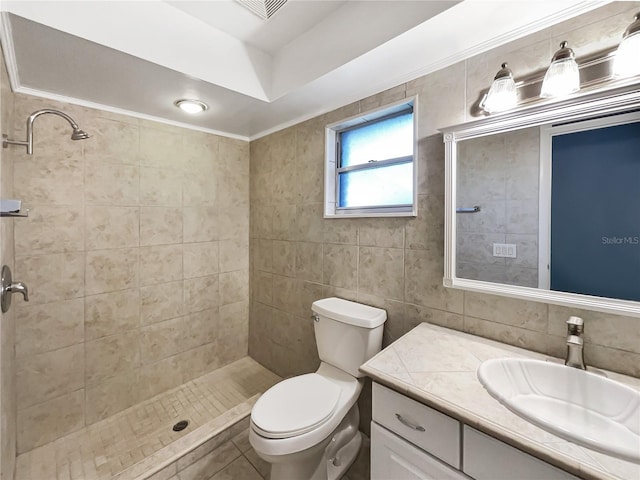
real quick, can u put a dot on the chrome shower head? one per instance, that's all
(77, 134)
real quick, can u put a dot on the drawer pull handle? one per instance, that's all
(409, 424)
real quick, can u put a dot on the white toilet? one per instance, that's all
(307, 426)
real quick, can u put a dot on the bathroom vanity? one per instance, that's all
(433, 419)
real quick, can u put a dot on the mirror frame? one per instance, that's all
(581, 106)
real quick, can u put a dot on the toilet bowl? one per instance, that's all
(306, 427)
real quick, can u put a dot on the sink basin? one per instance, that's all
(579, 406)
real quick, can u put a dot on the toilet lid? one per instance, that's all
(295, 406)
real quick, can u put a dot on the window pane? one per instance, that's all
(390, 185)
(390, 138)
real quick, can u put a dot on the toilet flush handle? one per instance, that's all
(315, 317)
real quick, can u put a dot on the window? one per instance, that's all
(370, 164)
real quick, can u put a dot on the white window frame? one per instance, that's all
(331, 210)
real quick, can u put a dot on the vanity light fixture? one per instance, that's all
(502, 93)
(191, 106)
(626, 62)
(562, 77)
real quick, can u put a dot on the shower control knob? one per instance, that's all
(9, 288)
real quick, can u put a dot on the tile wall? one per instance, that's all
(297, 256)
(7, 320)
(136, 256)
(500, 174)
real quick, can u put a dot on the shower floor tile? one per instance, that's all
(114, 446)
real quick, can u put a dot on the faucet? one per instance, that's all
(575, 343)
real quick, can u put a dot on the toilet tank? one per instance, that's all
(347, 333)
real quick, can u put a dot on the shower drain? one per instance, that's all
(181, 425)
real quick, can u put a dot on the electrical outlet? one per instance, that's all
(507, 250)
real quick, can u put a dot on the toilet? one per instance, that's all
(306, 427)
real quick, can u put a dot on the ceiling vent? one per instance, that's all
(265, 9)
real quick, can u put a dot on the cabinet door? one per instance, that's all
(394, 458)
(487, 458)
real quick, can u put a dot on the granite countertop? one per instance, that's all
(437, 367)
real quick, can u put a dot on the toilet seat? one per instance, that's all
(295, 406)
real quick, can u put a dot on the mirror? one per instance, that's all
(543, 203)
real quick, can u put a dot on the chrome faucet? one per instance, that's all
(575, 343)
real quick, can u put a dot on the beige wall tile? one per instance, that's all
(383, 232)
(161, 302)
(310, 223)
(112, 227)
(160, 376)
(42, 328)
(261, 221)
(309, 181)
(201, 293)
(160, 186)
(160, 225)
(510, 311)
(199, 190)
(309, 261)
(262, 254)
(45, 422)
(111, 313)
(343, 231)
(340, 266)
(42, 275)
(50, 181)
(161, 340)
(198, 361)
(109, 184)
(520, 337)
(111, 355)
(284, 258)
(111, 142)
(51, 230)
(234, 287)
(285, 292)
(381, 272)
(159, 147)
(263, 287)
(234, 223)
(111, 396)
(284, 222)
(234, 255)
(45, 376)
(111, 270)
(233, 332)
(200, 328)
(423, 281)
(160, 264)
(200, 224)
(200, 259)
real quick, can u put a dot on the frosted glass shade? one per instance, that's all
(562, 78)
(626, 63)
(502, 93)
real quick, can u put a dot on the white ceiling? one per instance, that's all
(257, 76)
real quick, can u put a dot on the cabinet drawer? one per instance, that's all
(486, 458)
(394, 458)
(425, 427)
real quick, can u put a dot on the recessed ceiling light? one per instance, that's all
(191, 106)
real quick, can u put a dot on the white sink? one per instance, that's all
(579, 406)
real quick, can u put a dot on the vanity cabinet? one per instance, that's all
(412, 441)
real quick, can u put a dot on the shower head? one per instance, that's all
(77, 134)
